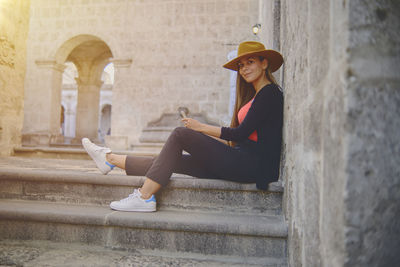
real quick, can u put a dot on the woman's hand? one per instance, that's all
(193, 124)
(201, 127)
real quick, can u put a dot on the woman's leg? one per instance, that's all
(137, 166)
(117, 160)
(149, 188)
(212, 159)
(208, 157)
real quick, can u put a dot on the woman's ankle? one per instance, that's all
(109, 158)
(144, 195)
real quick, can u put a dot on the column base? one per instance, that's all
(78, 141)
(41, 139)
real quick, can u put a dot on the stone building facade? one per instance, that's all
(166, 54)
(14, 19)
(341, 82)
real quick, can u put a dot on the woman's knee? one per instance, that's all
(180, 134)
(181, 131)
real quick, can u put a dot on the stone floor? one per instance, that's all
(46, 254)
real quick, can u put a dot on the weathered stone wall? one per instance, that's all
(14, 19)
(305, 40)
(269, 34)
(341, 131)
(177, 48)
(373, 130)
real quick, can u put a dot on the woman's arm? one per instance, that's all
(213, 131)
(266, 107)
(267, 103)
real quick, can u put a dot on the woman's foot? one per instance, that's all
(98, 154)
(135, 202)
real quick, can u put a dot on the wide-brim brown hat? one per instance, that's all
(250, 48)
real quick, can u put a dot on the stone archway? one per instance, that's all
(42, 113)
(90, 58)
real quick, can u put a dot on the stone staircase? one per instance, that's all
(78, 152)
(67, 201)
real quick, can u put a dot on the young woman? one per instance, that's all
(255, 136)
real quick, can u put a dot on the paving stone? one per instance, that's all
(46, 254)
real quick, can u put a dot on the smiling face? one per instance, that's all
(252, 69)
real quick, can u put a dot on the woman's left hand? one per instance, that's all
(192, 124)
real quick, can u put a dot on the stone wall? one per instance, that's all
(305, 40)
(341, 131)
(372, 193)
(14, 19)
(166, 54)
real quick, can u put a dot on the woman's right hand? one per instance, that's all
(192, 124)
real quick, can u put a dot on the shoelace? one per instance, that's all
(133, 195)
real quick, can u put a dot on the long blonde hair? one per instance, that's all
(244, 93)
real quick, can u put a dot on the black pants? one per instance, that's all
(208, 158)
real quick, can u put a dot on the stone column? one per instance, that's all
(87, 110)
(69, 122)
(42, 109)
(119, 137)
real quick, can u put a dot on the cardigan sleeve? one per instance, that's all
(264, 104)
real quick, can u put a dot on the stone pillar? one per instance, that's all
(69, 122)
(119, 137)
(42, 109)
(87, 110)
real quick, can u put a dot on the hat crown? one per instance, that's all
(250, 47)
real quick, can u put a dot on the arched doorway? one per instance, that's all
(90, 56)
(43, 98)
(69, 100)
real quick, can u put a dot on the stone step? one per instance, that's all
(242, 236)
(147, 147)
(67, 183)
(50, 253)
(71, 153)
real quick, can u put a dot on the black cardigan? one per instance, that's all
(266, 117)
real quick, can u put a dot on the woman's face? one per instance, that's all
(252, 69)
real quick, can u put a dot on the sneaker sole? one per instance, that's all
(133, 209)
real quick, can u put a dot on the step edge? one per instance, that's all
(177, 182)
(102, 216)
(75, 151)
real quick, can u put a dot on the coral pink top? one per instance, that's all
(242, 114)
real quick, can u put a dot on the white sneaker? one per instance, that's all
(98, 154)
(135, 202)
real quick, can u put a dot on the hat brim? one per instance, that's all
(273, 57)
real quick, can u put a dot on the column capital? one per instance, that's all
(121, 63)
(50, 64)
(87, 81)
